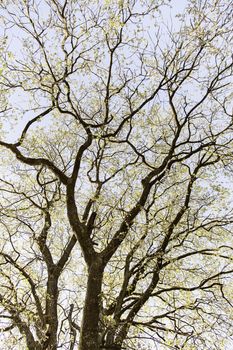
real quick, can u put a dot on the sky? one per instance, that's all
(169, 15)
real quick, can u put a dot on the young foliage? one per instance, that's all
(116, 146)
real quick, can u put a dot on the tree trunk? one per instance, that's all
(89, 335)
(51, 313)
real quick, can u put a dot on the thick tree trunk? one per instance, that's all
(89, 335)
(51, 313)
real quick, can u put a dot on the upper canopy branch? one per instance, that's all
(35, 161)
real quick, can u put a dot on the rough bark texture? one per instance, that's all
(89, 337)
(51, 314)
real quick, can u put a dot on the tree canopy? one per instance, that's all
(116, 143)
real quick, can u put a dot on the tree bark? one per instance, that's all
(51, 313)
(89, 335)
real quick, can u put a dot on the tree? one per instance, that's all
(115, 214)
